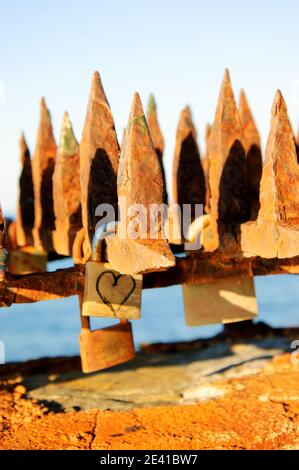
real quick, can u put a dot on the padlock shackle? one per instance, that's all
(85, 323)
(109, 228)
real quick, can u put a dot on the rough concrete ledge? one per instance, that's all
(233, 396)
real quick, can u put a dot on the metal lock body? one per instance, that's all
(227, 301)
(108, 293)
(27, 260)
(107, 347)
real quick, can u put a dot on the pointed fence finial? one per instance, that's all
(158, 139)
(99, 156)
(254, 160)
(42, 170)
(136, 249)
(229, 200)
(66, 190)
(275, 233)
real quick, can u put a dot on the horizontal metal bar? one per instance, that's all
(194, 269)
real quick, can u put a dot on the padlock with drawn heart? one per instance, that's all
(108, 293)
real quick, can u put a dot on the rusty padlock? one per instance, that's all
(25, 259)
(107, 347)
(110, 346)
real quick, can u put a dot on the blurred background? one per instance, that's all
(177, 50)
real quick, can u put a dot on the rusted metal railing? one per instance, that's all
(251, 208)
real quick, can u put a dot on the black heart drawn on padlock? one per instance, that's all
(116, 278)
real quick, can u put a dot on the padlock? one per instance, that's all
(227, 301)
(105, 347)
(27, 260)
(113, 345)
(108, 293)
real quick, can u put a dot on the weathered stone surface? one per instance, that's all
(222, 397)
(66, 190)
(187, 377)
(99, 156)
(157, 137)
(188, 175)
(139, 182)
(25, 209)
(42, 170)
(276, 231)
(252, 146)
(229, 203)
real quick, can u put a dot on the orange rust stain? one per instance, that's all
(260, 411)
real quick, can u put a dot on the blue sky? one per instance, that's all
(176, 49)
